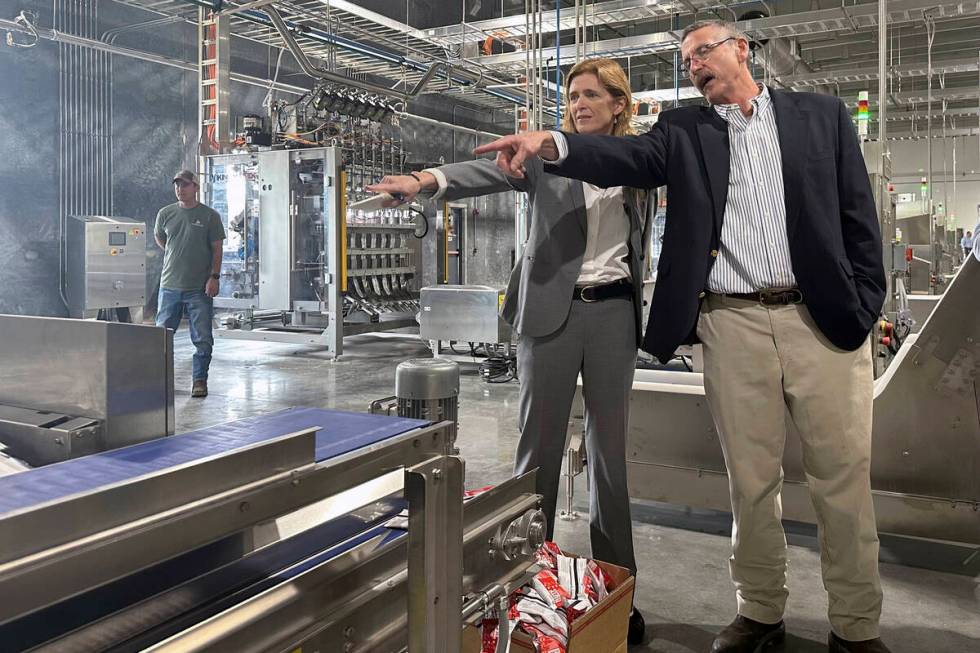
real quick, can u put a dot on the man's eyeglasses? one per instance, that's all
(180, 183)
(701, 53)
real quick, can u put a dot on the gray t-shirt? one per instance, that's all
(189, 234)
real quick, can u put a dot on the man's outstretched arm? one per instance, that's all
(637, 161)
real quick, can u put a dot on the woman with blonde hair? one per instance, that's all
(575, 299)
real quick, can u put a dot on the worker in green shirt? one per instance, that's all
(190, 234)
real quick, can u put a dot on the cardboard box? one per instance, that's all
(600, 630)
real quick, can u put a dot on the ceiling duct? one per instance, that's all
(779, 56)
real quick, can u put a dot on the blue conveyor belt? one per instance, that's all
(173, 595)
(340, 432)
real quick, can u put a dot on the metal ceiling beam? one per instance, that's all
(971, 92)
(870, 73)
(611, 12)
(921, 135)
(621, 47)
(850, 18)
(668, 94)
(907, 36)
(963, 115)
(863, 16)
(904, 114)
(864, 46)
(307, 32)
(843, 60)
(847, 75)
(229, 8)
(374, 17)
(855, 17)
(357, 55)
(108, 47)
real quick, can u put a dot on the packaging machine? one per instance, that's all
(155, 546)
(298, 266)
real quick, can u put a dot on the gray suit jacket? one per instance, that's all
(539, 295)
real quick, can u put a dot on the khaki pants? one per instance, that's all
(758, 362)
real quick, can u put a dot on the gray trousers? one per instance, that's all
(598, 340)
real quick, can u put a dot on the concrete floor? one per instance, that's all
(932, 601)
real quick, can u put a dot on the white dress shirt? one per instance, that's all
(606, 252)
(606, 257)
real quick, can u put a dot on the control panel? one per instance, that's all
(106, 263)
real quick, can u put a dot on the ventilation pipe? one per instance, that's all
(779, 56)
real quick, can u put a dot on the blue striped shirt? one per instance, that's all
(754, 250)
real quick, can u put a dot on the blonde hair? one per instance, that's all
(613, 78)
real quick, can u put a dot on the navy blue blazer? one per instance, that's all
(834, 237)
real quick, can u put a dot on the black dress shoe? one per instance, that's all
(747, 636)
(637, 629)
(837, 645)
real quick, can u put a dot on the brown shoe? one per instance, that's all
(747, 636)
(837, 645)
(200, 388)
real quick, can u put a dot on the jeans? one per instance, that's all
(199, 307)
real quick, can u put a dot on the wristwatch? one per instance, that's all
(216, 276)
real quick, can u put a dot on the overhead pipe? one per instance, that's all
(675, 24)
(942, 82)
(434, 68)
(446, 125)
(110, 36)
(61, 37)
(320, 73)
(779, 59)
(527, 68)
(456, 75)
(558, 65)
(930, 36)
(952, 125)
(327, 38)
(882, 77)
(84, 127)
(70, 39)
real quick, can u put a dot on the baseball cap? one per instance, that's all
(186, 175)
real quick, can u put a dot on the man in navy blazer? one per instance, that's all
(772, 259)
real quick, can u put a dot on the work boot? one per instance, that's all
(837, 645)
(745, 635)
(200, 388)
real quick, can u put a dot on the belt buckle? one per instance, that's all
(785, 297)
(582, 294)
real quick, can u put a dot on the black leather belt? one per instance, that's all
(588, 294)
(771, 296)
